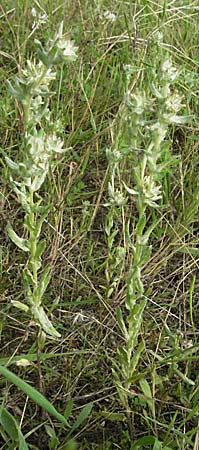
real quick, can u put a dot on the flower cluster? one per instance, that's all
(36, 77)
(58, 50)
(41, 148)
(39, 18)
(108, 15)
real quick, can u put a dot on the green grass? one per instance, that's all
(78, 366)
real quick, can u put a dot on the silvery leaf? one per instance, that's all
(23, 244)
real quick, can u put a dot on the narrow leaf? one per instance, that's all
(33, 394)
(70, 445)
(129, 190)
(12, 428)
(20, 305)
(148, 394)
(146, 440)
(68, 409)
(121, 323)
(115, 417)
(39, 223)
(18, 241)
(13, 91)
(43, 283)
(8, 423)
(136, 356)
(11, 164)
(38, 181)
(82, 417)
(41, 317)
(40, 249)
(140, 225)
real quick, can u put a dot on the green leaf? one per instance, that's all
(70, 445)
(146, 440)
(11, 427)
(43, 282)
(183, 376)
(146, 253)
(114, 417)
(148, 394)
(16, 94)
(23, 244)
(33, 394)
(54, 441)
(122, 355)
(68, 409)
(140, 225)
(145, 237)
(11, 164)
(135, 320)
(40, 249)
(189, 250)
(39, 223)
(28, 279)
(121, 392)
(38, 181)
(20, 305)
(136, 356)
(130, 190)
(8, 423)
(42, 54)
(82, 417)
(41, 317)
(121, 323)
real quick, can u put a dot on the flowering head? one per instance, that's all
(37, 78)
(168, 71)
(58, 50)
(39, 18)
(40, 151)
(114, 156)
(115, 196)
(148, 191)
(108, 16)
(151, 191)
(34, 81)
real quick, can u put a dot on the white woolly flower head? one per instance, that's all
(34, 75)
(39, 18)
(169, 72)
(68, 49)
(136, 102)
(65, 46)
(148, 189)
(151, 191)
(115, 196)
(159, 131)
(158, 37)
(174, 102)
(114, 156)
(108, 15)
(41, 148)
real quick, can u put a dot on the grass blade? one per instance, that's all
(33, 394)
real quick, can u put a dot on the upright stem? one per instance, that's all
(27, 105)
(33, 241)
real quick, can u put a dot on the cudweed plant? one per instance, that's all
(32, 90)
(146, 119)
(116, 254)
